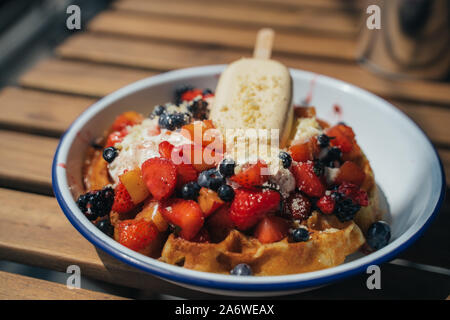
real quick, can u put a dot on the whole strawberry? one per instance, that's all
(250, 205)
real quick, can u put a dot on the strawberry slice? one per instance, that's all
(115, 137)
(306, 180)
(185, 171)
(350, 172)
(165, 149)
(251, 175)
(160, 176)
(186, 214)
(352, 191)
(344, 137)
(271, 229)
(326, 204)
(129, 118)
(305, 151)
(250, 205)
(297, 207)
(122, 200)
(202, 236)
(136, 234)
(191, 94)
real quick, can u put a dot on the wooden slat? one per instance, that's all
(79, 77)
(34, 231)
(197, 31)
(40, 235)
(329, 22)
(40, 112)
(163, 56)
(445, 158)
(26, 161)
(319, 4)
(18, 287)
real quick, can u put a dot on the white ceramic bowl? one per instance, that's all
(407, 170)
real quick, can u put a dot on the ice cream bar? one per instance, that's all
(255, 92)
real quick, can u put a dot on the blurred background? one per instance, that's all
(50, 74)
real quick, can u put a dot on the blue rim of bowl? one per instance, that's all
(248, 287)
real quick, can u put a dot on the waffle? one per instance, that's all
(330, 240)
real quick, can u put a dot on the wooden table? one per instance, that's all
(135, 39)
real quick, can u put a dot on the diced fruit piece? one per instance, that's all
(350, 172)
(271, 229)
(344, 137)
(185, 214)
(165, 149)
(115, 137)
(304, 112)
(305, 151)
(209, 201)
(220, 220)
(198, 132)
(152, 211)
(122, 200)
(129, 118)
(353, 192)
(191, 94)
(160, 176)
(135, 185)
(306, 180)
(185, 173)
(297, 207)
(135, 234)
(326, 204)
(250, 205)
(252, 175)
(199, 157)
(202, 236)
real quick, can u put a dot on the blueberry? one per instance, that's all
(346, 209)
(328, 156)
(109, 154)
(323, 140)
(159, 110)
(190, 191)
(300, 235)
(241, 269)
(319, 168)
(226, 193)
(226, 167)
(165, 122)
(285, 158)
(207, 91)
(96, 203)
(211, 179)
(378, 235)
(179, 119)
(105, 227)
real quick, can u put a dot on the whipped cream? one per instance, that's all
(140, 144)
